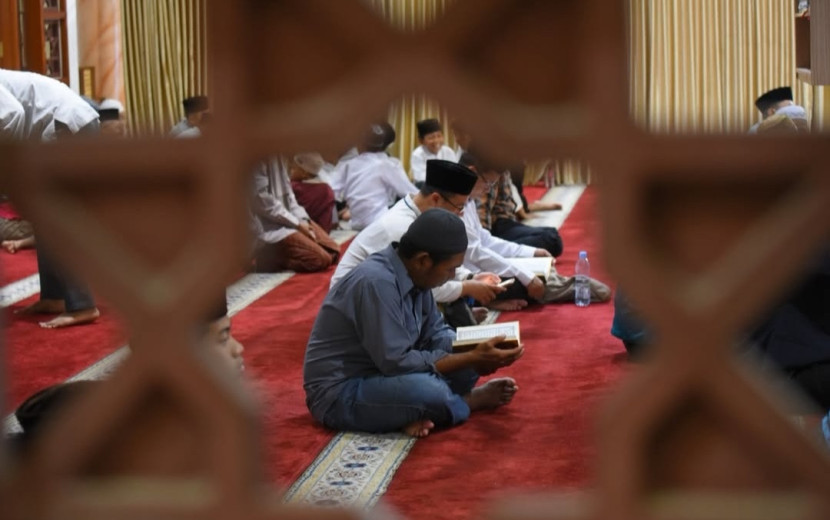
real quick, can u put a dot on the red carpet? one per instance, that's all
(37, 357)
(544, 438)
(274, 331)
(534, 192)
(13, 267)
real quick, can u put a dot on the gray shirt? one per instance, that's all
(375, 322)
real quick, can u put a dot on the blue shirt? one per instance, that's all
(373, 322)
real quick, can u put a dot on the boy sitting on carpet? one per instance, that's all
(37, 410)
(380, 355)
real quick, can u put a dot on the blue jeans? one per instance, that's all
(380, 404)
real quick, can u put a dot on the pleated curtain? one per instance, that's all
(696, 66)
(165, 60)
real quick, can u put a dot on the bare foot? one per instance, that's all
(68, 319)
(480, 314)
(492, 394)
(419, 429)
(544, 206)
(508, 305)
(43, 307)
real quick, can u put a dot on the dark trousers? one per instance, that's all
(546, 238)
(814, 380)
(56, 285)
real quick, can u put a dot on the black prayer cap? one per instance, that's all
(109, 114)
(776, 95)
(437, 232)
(427, 126)
(380, 136)
(42, 406)
(195, 104)
(450, 176)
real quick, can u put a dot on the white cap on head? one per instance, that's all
(310, 162)
(111, 103)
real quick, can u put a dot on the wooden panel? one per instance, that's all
(820, 41)
(9, 35)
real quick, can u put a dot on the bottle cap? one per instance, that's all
(583, 254)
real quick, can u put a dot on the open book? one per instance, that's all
(468, 337)
(540, 266)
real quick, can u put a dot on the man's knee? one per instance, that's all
(553, 242)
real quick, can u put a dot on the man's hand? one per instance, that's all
(488, 358)
(491, 278)
(536, 289)
(542, 252)
(306, 230)
(481, 291)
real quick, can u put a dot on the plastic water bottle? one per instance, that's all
(582, 284)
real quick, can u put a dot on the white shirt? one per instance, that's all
(420, 156)
(12, 116)
(369, 183)
(486, 253)
(277, 213)
(44, 101)
(181, 127)
(387, 229)
(791, 111)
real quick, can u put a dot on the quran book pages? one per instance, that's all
(468, 337)
(540, 266)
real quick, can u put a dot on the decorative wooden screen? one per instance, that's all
(703, 230)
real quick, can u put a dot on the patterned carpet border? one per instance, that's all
(354, 470)
(19, 290)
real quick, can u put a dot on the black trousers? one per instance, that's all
(814, 380)
(546, 238)
(57, 285)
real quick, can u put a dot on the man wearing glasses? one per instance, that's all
(447, 186)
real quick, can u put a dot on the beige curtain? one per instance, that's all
(412, 15)
(698, 65)
(164, 60)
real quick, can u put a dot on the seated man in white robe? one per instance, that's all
(194, 108)
(371, 182)
(448, 187)
(780, 101)
(431, 137)
(287, 238)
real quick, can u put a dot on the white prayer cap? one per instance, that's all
(110, 103)
(190, 133)
(310, 162)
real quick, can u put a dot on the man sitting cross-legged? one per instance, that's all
(447, 186)
(486, 252)
(380, 355)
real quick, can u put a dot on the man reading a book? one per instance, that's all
(380, 355)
